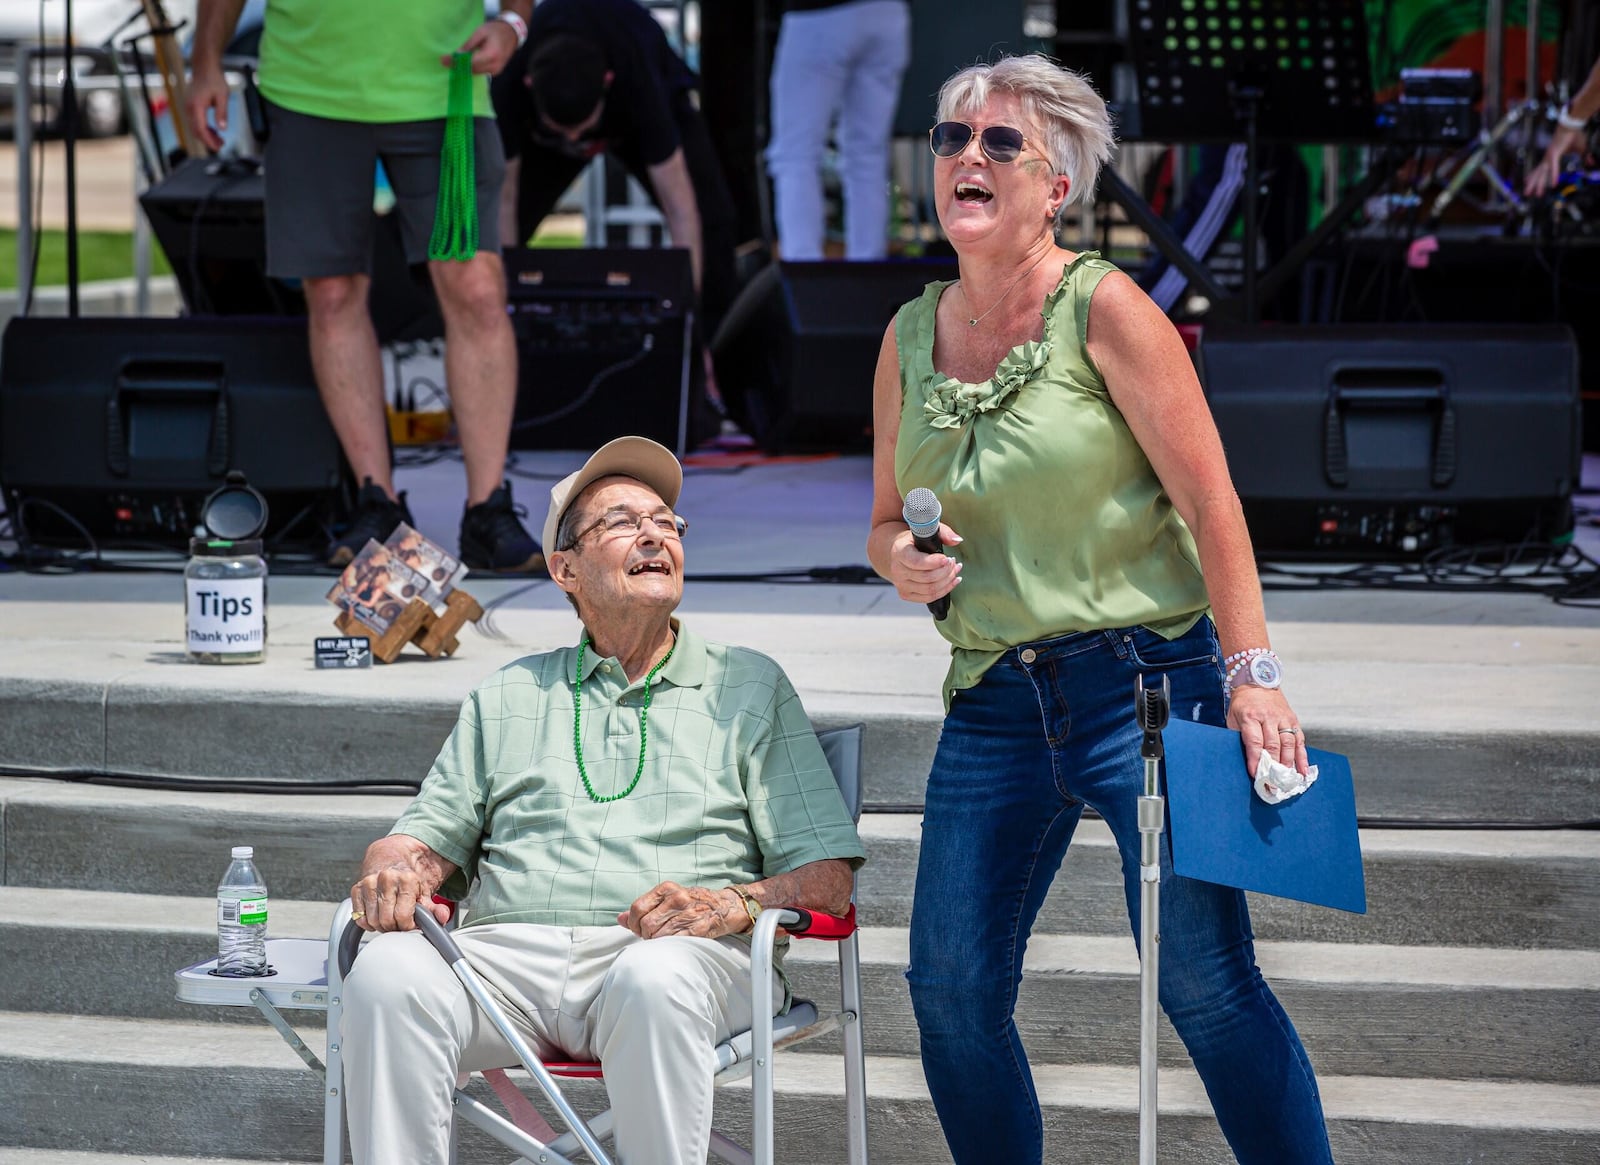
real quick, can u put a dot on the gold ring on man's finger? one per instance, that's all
(355, 914)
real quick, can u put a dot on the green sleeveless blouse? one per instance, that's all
(1065, 523)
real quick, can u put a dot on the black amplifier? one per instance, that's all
(1364, 441)
(1436, 107)
(604, 345)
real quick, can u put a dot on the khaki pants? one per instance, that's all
(650, 1011)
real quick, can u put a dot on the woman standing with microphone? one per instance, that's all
(1096, 535)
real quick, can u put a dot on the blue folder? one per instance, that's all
(1305, 848)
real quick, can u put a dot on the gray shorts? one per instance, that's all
(319, 186)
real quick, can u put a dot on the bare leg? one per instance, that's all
(480, 365)
(344, 354)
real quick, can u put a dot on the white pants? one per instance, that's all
(839, 65)
(650, 1011)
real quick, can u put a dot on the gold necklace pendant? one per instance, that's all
(974, 321)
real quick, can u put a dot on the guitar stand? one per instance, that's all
(1488, 142)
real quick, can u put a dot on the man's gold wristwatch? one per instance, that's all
(751, 906)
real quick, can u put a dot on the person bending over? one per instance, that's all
(598, 76)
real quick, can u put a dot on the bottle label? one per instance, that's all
(227, 615)
(244, 911)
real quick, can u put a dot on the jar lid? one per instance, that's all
(224, 548)
(235, 510)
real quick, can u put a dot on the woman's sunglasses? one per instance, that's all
(999, 143)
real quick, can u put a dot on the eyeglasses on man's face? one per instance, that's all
(999, 143)
(620, 521)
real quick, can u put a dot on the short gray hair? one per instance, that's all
(1061, 104)
(567, 542)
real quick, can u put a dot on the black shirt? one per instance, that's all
(648, 81)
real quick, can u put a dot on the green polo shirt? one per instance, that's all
(735, 787)
(364, 62)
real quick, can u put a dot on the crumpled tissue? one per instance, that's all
(1276, 783)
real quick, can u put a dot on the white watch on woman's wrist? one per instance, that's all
(1263, 670)
(1568, 120)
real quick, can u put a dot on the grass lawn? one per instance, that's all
(109, 255)
(101, 255)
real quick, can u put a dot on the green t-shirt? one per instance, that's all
(1065, 525)
(735, 786)
(362, 62)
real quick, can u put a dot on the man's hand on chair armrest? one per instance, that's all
(397, 873)
(706, 913)
(820, 886)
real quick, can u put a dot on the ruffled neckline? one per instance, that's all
(952, 402)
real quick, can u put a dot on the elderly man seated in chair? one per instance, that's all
(626, 806)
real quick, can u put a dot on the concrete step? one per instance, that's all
(12, 1155)
(1422, 1012)
(88, 1083)
(1516, 888)
(1424, 887)
(1508, 708)
(1427, 1012)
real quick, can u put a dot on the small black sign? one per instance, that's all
(344, 651)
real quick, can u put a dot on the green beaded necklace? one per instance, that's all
(644, 718)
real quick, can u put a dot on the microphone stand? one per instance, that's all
(1151, 707)
(69, 136)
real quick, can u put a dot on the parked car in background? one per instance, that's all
(94, 22)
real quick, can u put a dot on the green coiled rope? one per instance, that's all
(455, 216)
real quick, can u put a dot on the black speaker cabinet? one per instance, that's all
(604, 345)
(119, 428)
(796, 354)
(1357, 441)
(209, 217)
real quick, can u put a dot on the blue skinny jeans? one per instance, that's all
(1048, 730)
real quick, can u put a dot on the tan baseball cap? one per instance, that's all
(636, 457)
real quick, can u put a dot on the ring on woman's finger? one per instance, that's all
(1288, 732)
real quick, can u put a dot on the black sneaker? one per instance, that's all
(375, 516)
(493, 538)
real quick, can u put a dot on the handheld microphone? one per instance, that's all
(921, 513)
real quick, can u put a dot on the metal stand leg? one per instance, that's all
(1151, 708)
(1488, 141)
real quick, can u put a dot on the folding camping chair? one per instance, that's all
(310, 976)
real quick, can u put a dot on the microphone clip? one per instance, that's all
(1151, 708)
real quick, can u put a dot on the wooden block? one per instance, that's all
(439, 638)
(410, 623)
(435, 634)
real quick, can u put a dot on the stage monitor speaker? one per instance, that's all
(120, 428)
(796, 354)
(604, 345)
(1367, 442)
(209, 217)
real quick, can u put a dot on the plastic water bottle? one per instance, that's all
(242, 917)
